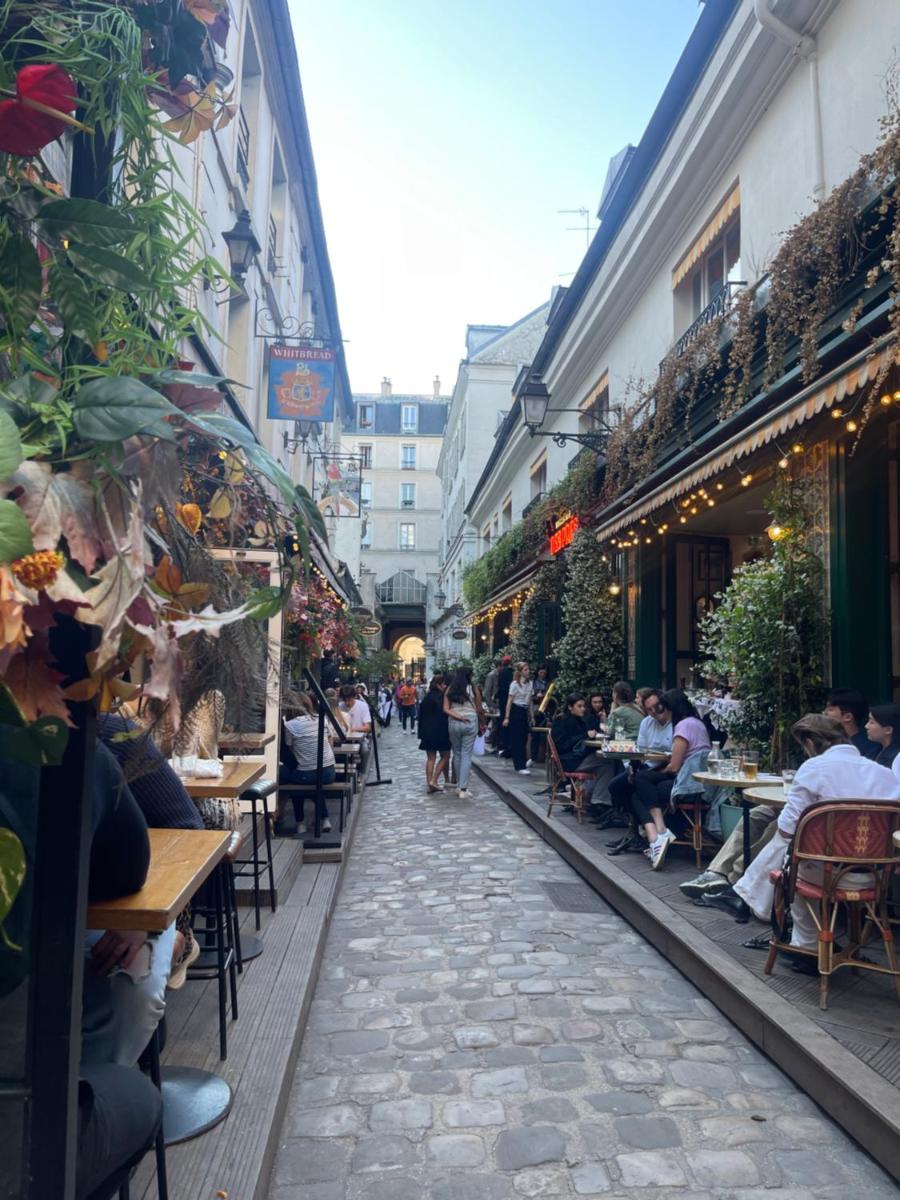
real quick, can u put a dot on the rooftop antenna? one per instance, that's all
(586, 229)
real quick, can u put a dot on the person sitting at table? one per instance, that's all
(596, 713)
(851, 709)
(540, 683)
(569, 733)
(625, 715)
(342, 718)
(356, 709)
(301, 743)
(883, 728)
(653, 787)
(834, 770)
(434, 735)
(655, 733)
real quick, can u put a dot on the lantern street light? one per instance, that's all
(242, 246)
(440, 598)
(535, 401)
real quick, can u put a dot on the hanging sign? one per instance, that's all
(460, 635)
(371, 629)
(337, 485)
(301, 384)
(562, 537)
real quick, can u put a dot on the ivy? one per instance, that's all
(591, 652)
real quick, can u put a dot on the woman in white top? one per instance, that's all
(518, 716)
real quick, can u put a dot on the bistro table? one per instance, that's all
(234, 740)
(740, 783)
(628, 755)
(180, 861)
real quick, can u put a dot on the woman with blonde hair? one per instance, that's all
(518, 717)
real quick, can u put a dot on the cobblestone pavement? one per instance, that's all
(469, 1040)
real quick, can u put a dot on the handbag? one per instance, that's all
(478, 748)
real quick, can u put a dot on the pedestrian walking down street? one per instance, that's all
(406, 697)
(434, 735)
(385, 705)
(462, 704)
(517, 718)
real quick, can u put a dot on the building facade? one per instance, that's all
(479, 406)
(398, 440)
(759, 123)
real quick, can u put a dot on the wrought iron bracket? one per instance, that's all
(272, 327)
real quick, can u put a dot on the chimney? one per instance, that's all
(437, 386)
(385, 386)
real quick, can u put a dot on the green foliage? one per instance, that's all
(446, 664)
(769, 632)
(481, 665)
(376, 665)
(591, 652)
(548, 585)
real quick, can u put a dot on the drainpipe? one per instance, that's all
(804, 45)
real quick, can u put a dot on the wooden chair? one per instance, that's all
(841, 837)
(560, 775)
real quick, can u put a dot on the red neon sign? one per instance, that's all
(563, 536)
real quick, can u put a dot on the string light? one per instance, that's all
(887, 397)
(615, 588)
(720, 487)
(851, 426)
(797, 448)
(783, 463)
(837, 413)
(746, 480)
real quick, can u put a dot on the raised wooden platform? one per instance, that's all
(847, 1058)
(274, 996)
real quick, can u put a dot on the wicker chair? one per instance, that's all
(840, 836)
(561, 775)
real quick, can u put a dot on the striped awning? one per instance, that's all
(809, 403)
(711, 231)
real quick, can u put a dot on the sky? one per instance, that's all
(447, 136)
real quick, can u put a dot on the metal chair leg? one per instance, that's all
(220, 960)
(267, 830)
(162, 1178)
(255, 833)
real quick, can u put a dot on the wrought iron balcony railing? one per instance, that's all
(717, 307)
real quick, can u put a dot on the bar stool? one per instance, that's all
(256, 865)
(221, 937)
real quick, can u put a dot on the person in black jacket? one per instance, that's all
(568, 733)
(504, 681)
(434, 735)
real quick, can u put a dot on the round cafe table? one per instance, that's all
(741, 784)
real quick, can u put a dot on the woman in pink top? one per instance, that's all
(653, 789)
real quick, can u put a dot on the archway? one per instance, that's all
(411, 651)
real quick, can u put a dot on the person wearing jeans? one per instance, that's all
(462, 704)
(301, 736)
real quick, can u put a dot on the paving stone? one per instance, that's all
(723, 1168)
(492, 1010)
(621, 1103)
(580, 1031)
(455, 1150)
(555, 1109)
(392, 1188)
(528, 1147)
(506, 1081)
(433, 1083)
(475, 1037)
(470, 1186)
(337, 1120)
(545, 1181)
(400, 1114)
(561, 1077)
(509, 1056)
(706, 1077)
(649, 1168)
(358, 1043)
(648, 1133)
(557, 1054)
(532, 1035)
(636, 1070)
(384, 1152)
(607, 1004)
(305, 1160)
(472, 1114)
(591, 1178)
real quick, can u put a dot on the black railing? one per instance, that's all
(243, 148)
(717, 307)
(534, 502)
(273, 246)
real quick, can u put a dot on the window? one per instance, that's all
(409, 418)
(407, 495)
(719, 265)
(539, 476)
(243, 148)
(595, 407)
(365, 457)
(407, 536)
(506, 518)
(485, 539)
(365, 416)
(365, 494)
(701, 278)
(408, 458)
(365, 537)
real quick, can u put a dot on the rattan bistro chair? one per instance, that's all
(561, 776)
(842, 837)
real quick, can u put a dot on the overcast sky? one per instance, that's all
(446, 136)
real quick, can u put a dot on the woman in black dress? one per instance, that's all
(434, 735)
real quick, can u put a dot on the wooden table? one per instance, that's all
(231, 784)
(740, 783)
(252, 741)
(180, 861)
(629, 755)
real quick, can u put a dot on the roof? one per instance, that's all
(629, 182)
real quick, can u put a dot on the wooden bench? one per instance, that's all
(342, 788)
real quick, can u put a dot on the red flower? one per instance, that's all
(26, 125)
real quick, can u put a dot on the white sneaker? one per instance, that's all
(658, 850)
(326, 826)
(464, 794)
(524, 771)
(301, 830)
(708, 881)
(528, 764)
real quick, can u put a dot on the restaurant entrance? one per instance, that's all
(699, 569)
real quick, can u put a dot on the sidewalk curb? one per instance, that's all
(864, 1104)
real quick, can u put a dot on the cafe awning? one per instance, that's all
(505, 596)
(822, 395)
(723, 214)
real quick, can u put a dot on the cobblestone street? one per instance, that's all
(471, 1039)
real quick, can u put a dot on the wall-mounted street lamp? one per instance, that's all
(440, 598)
(536, 404)
(242, 246)
(303, 431)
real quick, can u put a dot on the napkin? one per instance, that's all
(208, 768)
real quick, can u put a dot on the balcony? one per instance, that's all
(243, 149)
(717, 307)
(534, 502)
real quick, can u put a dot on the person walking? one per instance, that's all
(504, 681)
(518, 717)
(462, 704)
(434, 735)
(406, 698)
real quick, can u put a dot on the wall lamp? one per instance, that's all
(535, 406)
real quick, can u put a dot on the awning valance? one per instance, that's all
(518, 583)
(794, 412)
(711, 231)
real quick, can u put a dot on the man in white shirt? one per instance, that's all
(834, 770)
(357, 710)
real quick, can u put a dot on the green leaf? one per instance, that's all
(10, 445)
(193, 378)
(118, 406)
(12, 870)
(239, 435)
(10, 713)
(20, 283)
(15, 532)
(107, 267)
(86, 221)
(41, 743)
(265, 602)
(73, 299)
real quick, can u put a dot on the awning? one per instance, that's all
(713, 228)
(517, 584)
(822, 395)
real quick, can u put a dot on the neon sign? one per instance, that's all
(562, 537)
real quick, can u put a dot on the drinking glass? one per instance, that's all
(714, 761)
(787, 778)
(750, 763)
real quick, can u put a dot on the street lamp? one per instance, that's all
(536, 404)
(440, 598)
(242, 246)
